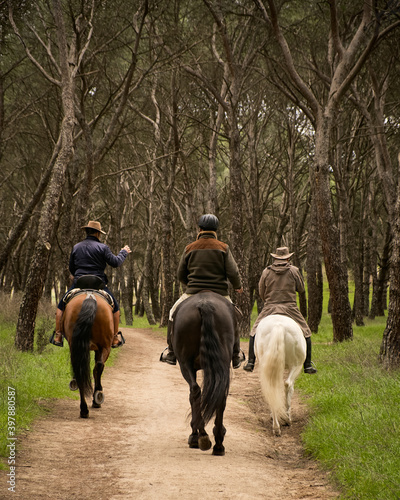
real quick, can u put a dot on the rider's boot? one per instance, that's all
(308, 366)
(169, 356)
(238, 355)
(249, 366)
(57, 336)
(118, 339)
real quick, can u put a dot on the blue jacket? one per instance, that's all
(90, 256)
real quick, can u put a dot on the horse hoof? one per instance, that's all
(219, 451)
(204, 443)
(73, 385)
(98, 398)
(84, 415)
(193, 441)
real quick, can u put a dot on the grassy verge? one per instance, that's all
(354, 420)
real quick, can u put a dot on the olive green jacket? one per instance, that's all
(207, 264)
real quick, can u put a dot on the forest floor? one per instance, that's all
(135, 446)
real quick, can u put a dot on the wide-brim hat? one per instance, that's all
(282, 253)
(93, 224)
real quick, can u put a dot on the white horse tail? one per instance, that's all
(271, 349)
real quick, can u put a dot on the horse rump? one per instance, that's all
(279, 344)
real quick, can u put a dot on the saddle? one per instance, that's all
(92, 284)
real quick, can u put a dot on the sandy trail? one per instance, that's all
(135, 446)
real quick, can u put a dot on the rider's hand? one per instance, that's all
(127, 249)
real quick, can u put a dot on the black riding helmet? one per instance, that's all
(208, 222)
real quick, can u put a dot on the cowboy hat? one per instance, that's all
(282, 253)
(92, 224)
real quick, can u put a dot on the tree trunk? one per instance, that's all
(336, 274)
(314, 270)
(390, 347)
(242, 300)
(34, 286)
(37, 274)
(379, 283)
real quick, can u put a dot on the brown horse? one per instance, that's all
(203, 338)
(88, 326)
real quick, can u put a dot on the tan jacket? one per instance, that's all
(278, 286)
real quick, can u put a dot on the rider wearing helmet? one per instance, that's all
(206, 264)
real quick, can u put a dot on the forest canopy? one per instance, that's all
(281, 117)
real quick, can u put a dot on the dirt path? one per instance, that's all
(135, 446)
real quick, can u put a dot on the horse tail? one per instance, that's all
(216, 371)
(272, 366)
(80, 345)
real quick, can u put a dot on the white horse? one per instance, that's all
(279, 344)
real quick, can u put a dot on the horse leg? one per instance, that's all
(193, 440)
(98, 396)
(199, 437)
(289, 389)
(84, 411)
(219, 431)
(276, 429)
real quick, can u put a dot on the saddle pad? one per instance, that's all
(78, 291)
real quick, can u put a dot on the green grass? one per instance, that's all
(354, 425)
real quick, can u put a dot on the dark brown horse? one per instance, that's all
(88, 326)
(203, 338)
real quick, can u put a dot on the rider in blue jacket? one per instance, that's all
(90, 257)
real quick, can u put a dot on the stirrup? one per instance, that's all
(310, 369)
(52, 341)
(169, 358)
(120, 342)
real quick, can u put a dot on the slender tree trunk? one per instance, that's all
(330, 237)
(379, 284)
(314, 270)
(390, 347)
(148, 257)
(167, 294)
(236, 244)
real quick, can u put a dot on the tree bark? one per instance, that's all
(314, 269)
(34, 287)
(390, 347)
(330, 237)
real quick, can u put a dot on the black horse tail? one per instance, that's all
(80, 345)
(216, 378)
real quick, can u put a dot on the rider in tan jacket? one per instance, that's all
(278, 286)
